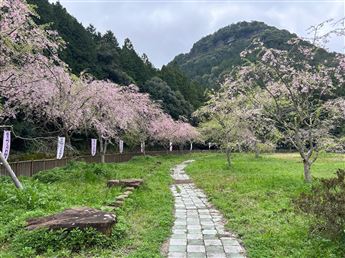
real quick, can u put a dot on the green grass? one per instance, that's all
(145, 220)
(255, 195)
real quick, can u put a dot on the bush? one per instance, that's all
(51, 176)
(31, 243)
(326, 204)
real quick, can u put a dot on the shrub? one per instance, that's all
(51, 176)
(326, 204)
(30, 243)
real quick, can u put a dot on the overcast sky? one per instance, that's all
(164, 28)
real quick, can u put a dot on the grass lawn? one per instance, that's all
(255, 195)
(145, 220)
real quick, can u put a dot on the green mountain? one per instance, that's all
(103, 57)
(216, 54)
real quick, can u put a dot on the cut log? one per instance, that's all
(121, 197)
(112, 183)
(128, 193)
(133, 183)
(81, 218)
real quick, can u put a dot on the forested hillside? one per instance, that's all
(103, 57)
(215, 55)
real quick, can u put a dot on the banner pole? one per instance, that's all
(10, 171)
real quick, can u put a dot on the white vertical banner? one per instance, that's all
(6, 144)
(60, 147)
(121, 146)
(209, 145)
(142, 147)
(191, 146)
(170, 146)
(93, 147)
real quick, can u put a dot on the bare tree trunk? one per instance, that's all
(257, 151)
(68, 144)
(101, 149)
(239, 147)
(228, 155)
(10, 171)
(307, 174)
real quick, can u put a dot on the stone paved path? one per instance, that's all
(198, 230)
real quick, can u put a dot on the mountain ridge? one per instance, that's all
(215, 54)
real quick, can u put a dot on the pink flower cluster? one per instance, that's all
(41, 87)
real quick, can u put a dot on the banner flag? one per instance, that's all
(60, 147)
(93, 147)
(121, 146)
(142, 147)
(191, 146)
(6, 144)
(170, 146)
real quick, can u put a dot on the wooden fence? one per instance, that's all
(31, 167)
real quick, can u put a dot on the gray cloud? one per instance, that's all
(163, 29)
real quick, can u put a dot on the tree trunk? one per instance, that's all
(257, 152)
(307, 174)
(101, 149)
(228, 154)
(10, 171)
(239, 147)
(68, 144)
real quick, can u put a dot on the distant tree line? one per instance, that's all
(102, 56)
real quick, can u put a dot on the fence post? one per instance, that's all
(32, 168)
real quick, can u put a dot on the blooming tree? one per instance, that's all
(146, 111)
(26, 50)
(222, 123)
(184, 133)
(107, 112)
(296, 94)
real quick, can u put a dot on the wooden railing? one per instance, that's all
(31, 167)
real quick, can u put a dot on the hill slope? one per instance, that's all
(215, 54)
(101, 55)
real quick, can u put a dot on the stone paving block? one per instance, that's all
(229, 241)
(196, 255)
(208, 227)
(214, 249)
(194, 231)
(198, 230)
(195, 242)
(209, 242)
(178, 241)
(196, 249)
(232, 249)
(179, 236)
(209, 232)
(177, 255)
(211, 237)
(180, 226)
(193, 227)
(194, 236)
(205, 216)
(235, 255)
(177, 248)
(193, 222)
(179, 231)
(216, 255)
